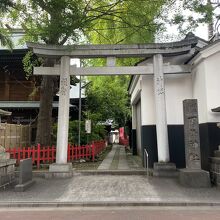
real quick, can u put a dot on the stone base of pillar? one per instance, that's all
(60, 171)
(162, 169)
(194, 178)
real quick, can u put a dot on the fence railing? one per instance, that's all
(46, 155)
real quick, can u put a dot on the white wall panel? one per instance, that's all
(147, 101)
(177, 88)
(199, 90)
(213, 86)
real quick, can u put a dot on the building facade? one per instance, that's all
(202, 83)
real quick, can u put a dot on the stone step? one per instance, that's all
(217, 153)
(165, 173)
(164, 166)
(165, 170)
(194, 178)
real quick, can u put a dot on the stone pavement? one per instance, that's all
(110, 213)
(111, 189)
(118, 159)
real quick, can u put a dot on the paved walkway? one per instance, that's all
(103, 189)
(118, 159)
(137, 213)
(106, 189)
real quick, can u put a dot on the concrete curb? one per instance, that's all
(94, 172)
(27, 204)
(111, 172)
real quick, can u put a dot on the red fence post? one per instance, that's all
(87, 152)
(76, 148)
(68, 153)
(23, 153)
(29, 152)
(33, 154)
(48, 154)
(44, 151)
(53, 152)
(93, 151)
(72, 148)
(38, 156)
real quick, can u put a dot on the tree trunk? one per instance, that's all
(44, 124)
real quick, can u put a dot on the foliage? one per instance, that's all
(190, 13)
(132, 22)
(98, 133)
(5, 37)
(71, 21)
(5, 6)
(107, 98)
(29, 62)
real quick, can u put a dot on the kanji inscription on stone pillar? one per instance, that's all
(191, 134)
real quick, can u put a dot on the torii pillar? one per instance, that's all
(62, 169)
(163, 167)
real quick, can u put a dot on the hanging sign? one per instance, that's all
(88, 126)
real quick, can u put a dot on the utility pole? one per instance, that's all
(80, 109)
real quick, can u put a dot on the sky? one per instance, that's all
(171, 33)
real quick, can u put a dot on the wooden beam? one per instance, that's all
(125, 70)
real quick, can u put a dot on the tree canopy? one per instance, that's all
(72, 21)
(189, 14)
(107, 98)
(133, 22)
(4, 33)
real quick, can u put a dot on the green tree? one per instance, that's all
(68, 21)
(5, 6)
(199, 12)
(107, 98)
(134, 23)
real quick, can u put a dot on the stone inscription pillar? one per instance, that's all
(161, 118)
(193, 175)
(191, 134)
(63, 114)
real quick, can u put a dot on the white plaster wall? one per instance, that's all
(212, 65)
(203, 84)
(135, 95)
(199, 90)
(206, 80)
(177, 88)
(133, 109)
(147, 101)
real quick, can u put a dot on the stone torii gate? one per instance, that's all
(156, 51)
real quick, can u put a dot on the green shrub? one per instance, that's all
(98, 133)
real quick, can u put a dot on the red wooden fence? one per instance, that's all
(42, 155)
